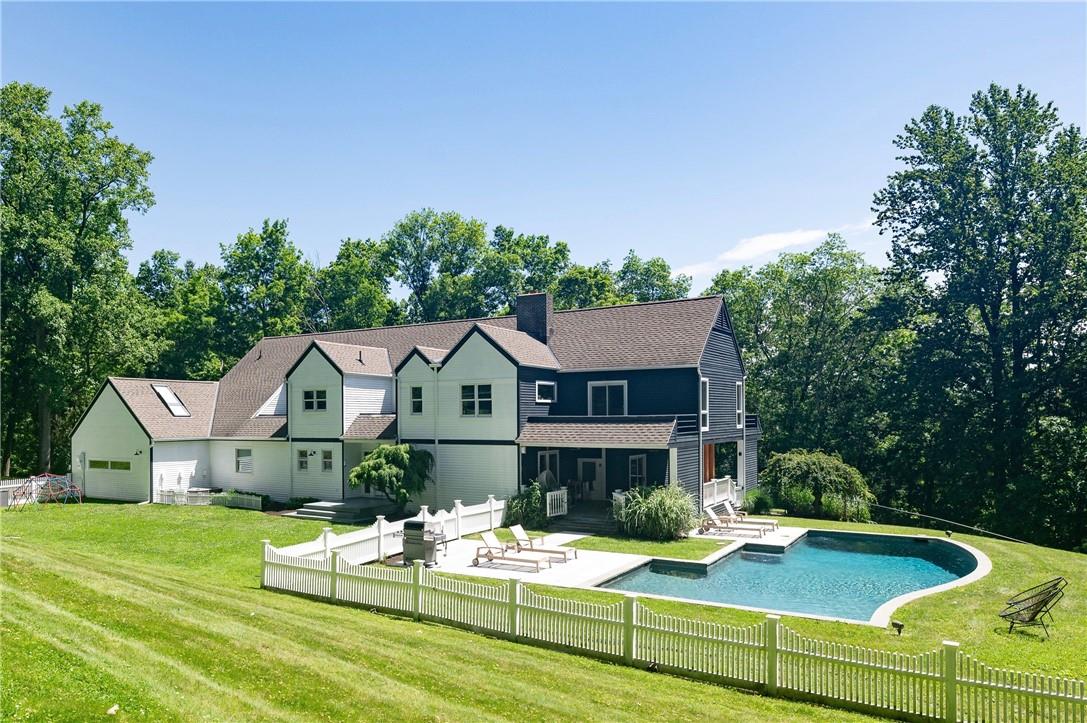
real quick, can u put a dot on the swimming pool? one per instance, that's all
(831, 574)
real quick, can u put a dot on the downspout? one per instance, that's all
(290, 444)
(437, 413)
(743, 474)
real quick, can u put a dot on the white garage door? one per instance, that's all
(114, 479)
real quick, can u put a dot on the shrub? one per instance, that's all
(816, 483)
(398, 471)
(758, 501)
(527, 508)
(656, 513)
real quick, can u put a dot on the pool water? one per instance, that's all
(832, 574)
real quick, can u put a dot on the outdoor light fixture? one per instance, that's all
(898, 626)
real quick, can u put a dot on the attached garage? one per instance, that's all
(129, 424)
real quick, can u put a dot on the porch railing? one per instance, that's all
(716, 491)
(558, 502)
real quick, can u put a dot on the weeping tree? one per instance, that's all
(398, 471)
(818, 476)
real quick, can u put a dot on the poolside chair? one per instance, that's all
(494, 551)
(1030, 607)
(742, 517)
(731, 525)
(536, 544)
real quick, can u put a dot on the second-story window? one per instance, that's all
(607, 399)
(704, 404)
(740, 405)
(416, 400)
(546, 392)
(315, 400)
(475, 400)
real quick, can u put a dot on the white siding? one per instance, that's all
(315, 372)
(353, 453)
(415, 426)
(366, 394)
(478, 362)
(181, 465)
(276, 404)
(470, 472)
(271, 473)
(314, 481)
(109, 432)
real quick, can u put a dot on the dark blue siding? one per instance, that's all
(649, 391)
(721, 365)
(616, 465)
(689, 467)
(526, 394)
(751, 462)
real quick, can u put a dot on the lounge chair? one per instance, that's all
(742, 517)
(731, 525)
(1031, 606)
(494, 551)
(536, 544)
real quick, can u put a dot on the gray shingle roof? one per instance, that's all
(153, 414)
(431, 354)
(527, 350)
(372, 426)
(608, 433)
(355, 359)
(664, 333)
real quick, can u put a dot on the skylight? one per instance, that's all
(170, 400)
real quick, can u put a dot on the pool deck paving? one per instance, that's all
(591, 567)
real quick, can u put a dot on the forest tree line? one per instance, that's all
(954, 378)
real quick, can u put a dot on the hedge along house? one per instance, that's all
(597, 399)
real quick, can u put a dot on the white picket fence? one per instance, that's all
(384, 539)
(942, 684)
(558, 502)
(225, 499)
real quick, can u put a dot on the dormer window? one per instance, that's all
(315, 400)
(607, 399)
(170, 400)
(546, 392)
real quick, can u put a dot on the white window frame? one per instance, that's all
(475, 399)
(302, 460)
(631, 477)
(412, 400)
(704, 404)
(741, 406)
(545, 454)
(171, 400)
(326, 460)
(238, 458)
(316, 400)
(554, 392)
(608, 383)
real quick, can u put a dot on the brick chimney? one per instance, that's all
(535, 316)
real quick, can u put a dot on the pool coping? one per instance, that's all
(880, 618)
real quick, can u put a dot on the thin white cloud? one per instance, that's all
(752, 247)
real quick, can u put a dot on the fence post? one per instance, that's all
(333, 573)
(423, 511)
(514, 602)
(456, 513)
(490, 510)
(417, 589)
(772, 624)
(630, 612)
(265, 545)
(326, 533)
(379, 525)
(951, 660)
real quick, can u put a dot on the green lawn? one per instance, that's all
(158, 610)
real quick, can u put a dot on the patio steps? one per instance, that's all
(344, 512)
(587, 521)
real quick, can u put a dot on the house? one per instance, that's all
(597, 399)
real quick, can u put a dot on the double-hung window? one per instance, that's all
(637, 470)
(416, 400)
(741, 403)
(326, 460)
(315, 400)
(475, 400)
(704, 404)
(243, 461)
(607, 399)
(303, 460)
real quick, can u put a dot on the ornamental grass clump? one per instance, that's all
(656, 513)
(527, 509)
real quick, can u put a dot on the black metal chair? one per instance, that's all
(1030, 607)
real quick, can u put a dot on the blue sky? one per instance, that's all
(713, 135)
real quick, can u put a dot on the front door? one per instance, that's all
(590, 473)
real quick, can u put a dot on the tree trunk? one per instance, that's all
(45, 432)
